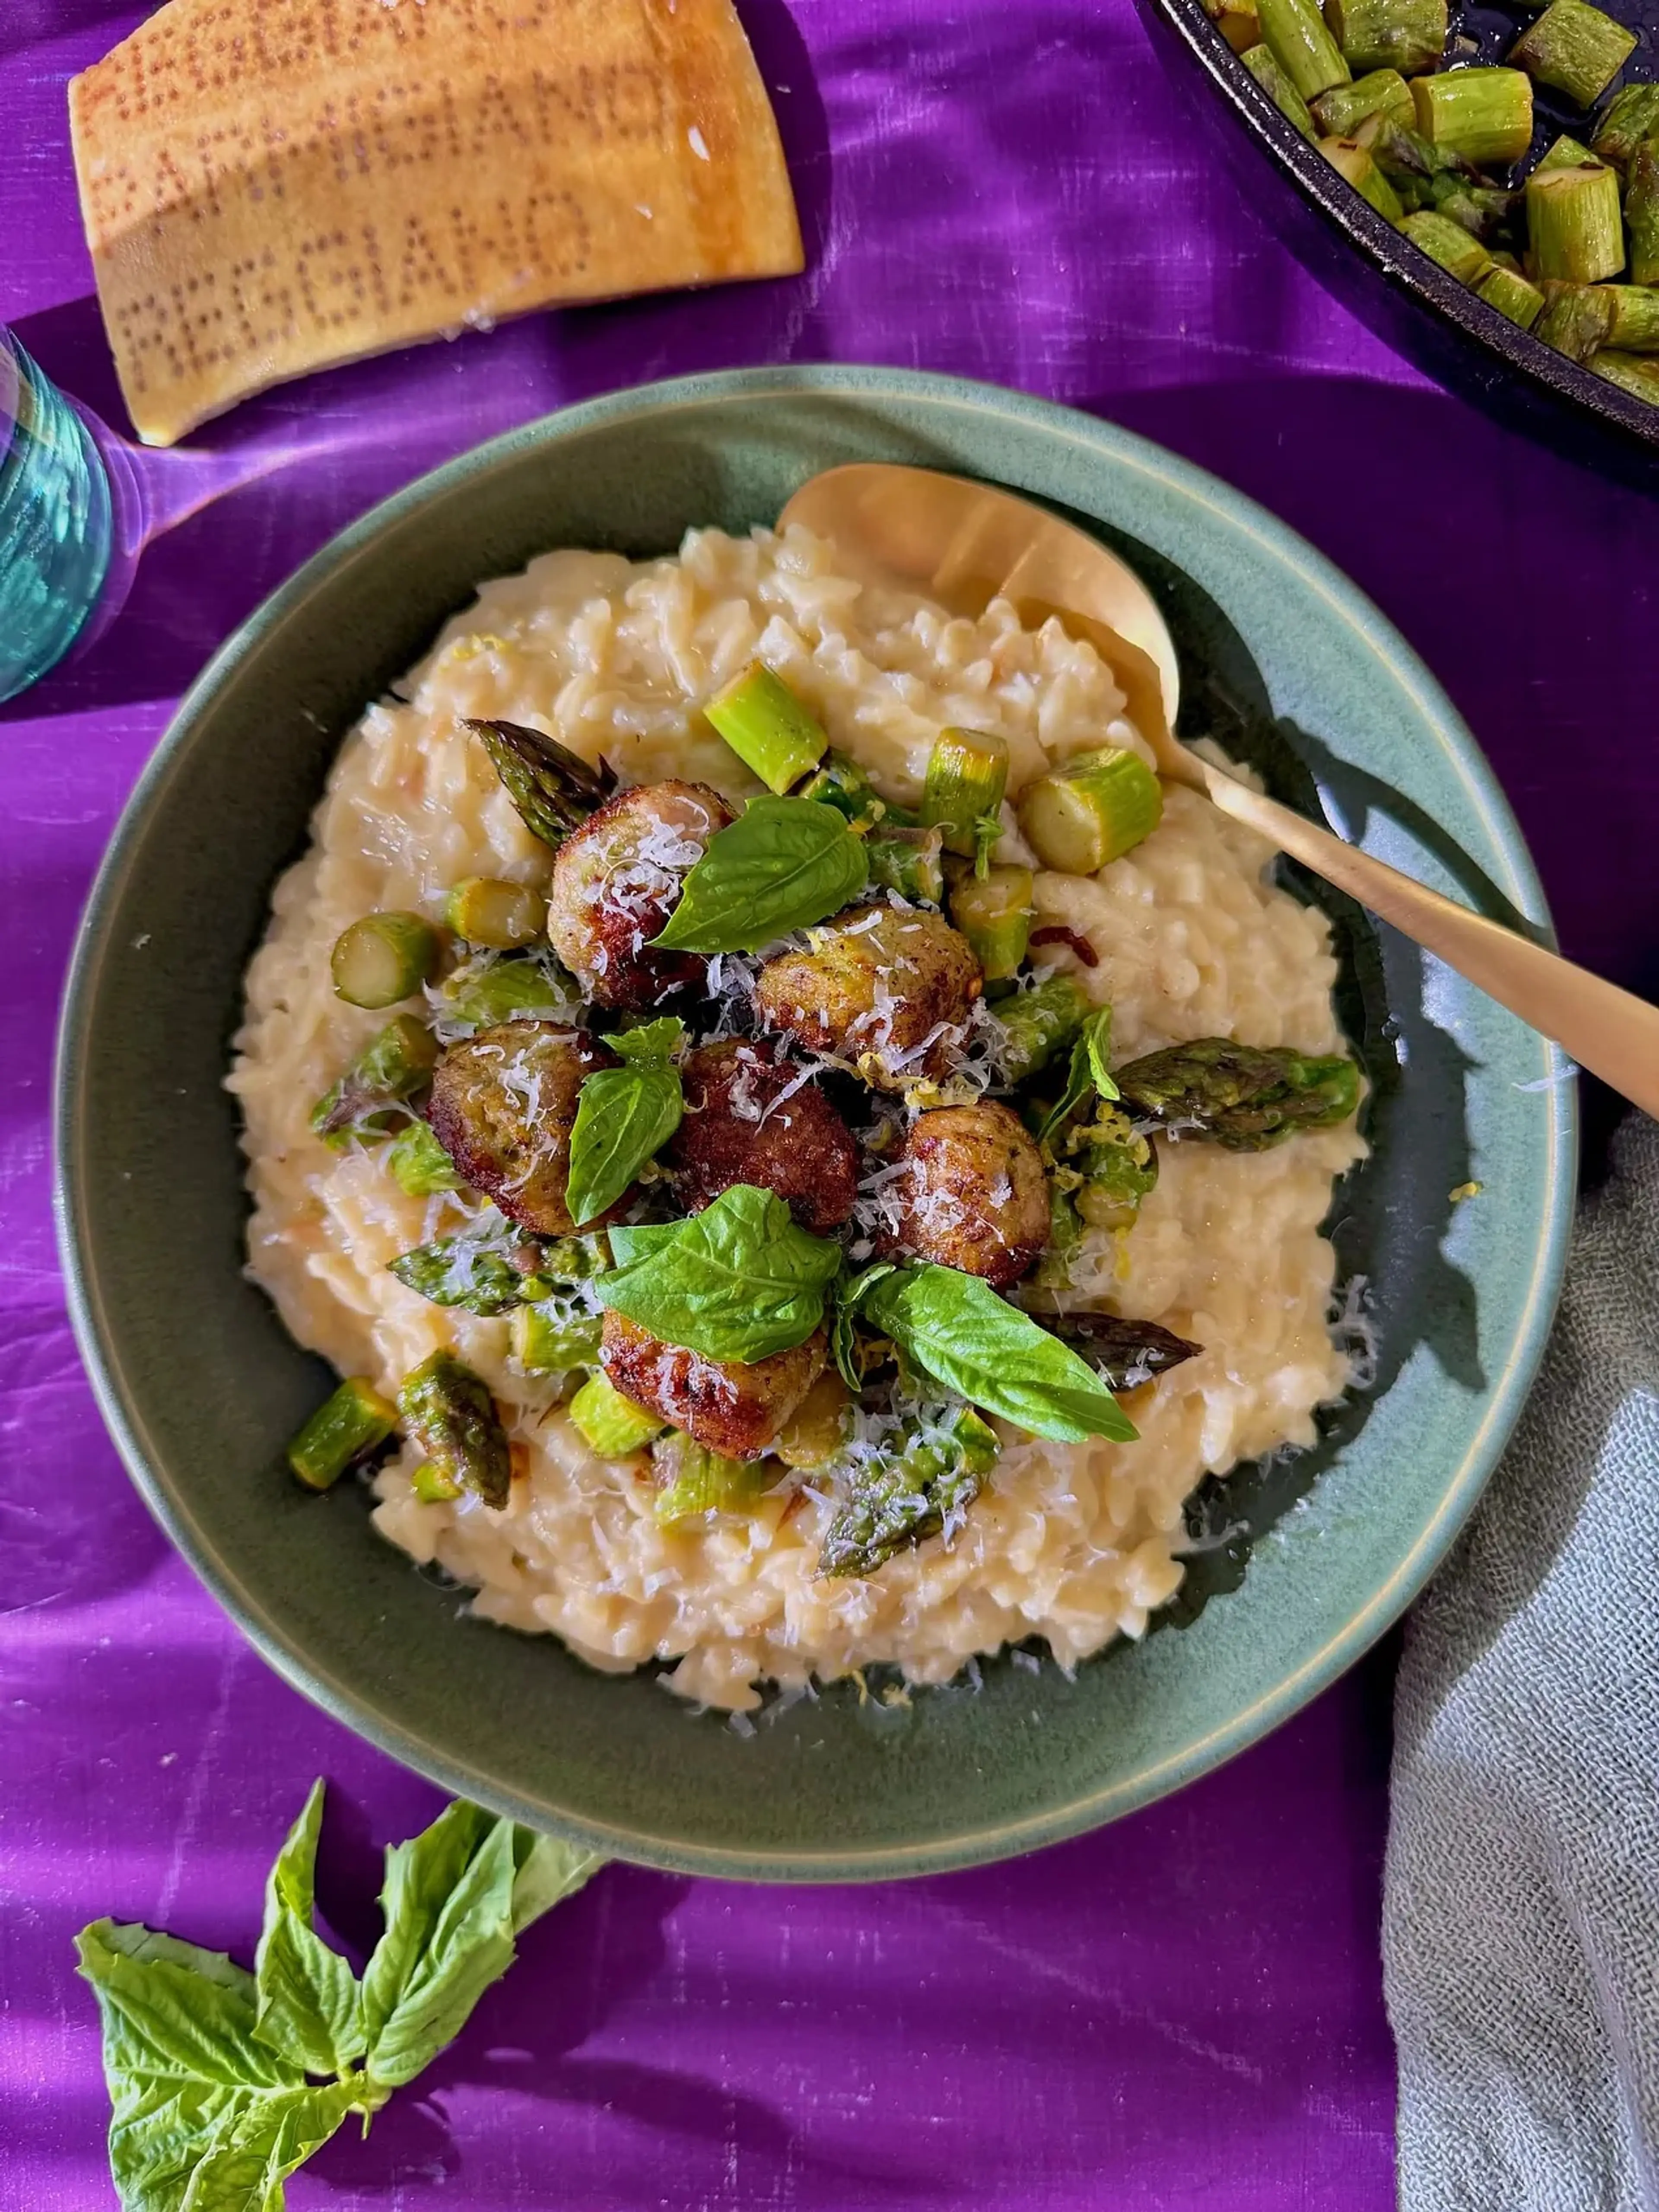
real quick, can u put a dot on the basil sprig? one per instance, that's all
(739, 1281)
(954, 1328)
(783, 865)
(1088, 1072)
(208, 2064)
(624, 1116)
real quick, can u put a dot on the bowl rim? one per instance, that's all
(339, 1698)
(1393, 254)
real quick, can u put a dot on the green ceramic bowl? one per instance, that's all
(202, 1388)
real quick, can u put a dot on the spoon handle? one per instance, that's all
(1607, 1031)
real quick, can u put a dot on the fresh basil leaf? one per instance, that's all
(739, 1281)
(465, 1945)
(624, 1116)
(653, 1045)
(848, 1295)
(783, 865)
(258, 2142)
(955, 1328)
(1088, 1073)
(1098, 1037)
(630, 1243)
(308, 2002)
(420, 1877)
(546, 1871)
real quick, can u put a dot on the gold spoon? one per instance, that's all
(965, 543)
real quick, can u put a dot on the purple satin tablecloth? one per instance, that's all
(1182, 2011)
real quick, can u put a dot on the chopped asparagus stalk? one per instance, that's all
(500, 916)
(1244, 1096)
(546, 1340)
(1355, 163)
(1635, 324)
(1484, 114)
(391, 1067)
(354, 1421)
(1036, 1025)
(1117, 1166)
(1054, 1269)
(1508, 290)
(1296, 36)
(1577, 319)
(418, 1164)
(896, 1503)
(908, 862)
(993, 913)
(1080, 818)
(1416, 169)
(1642, 212)
(1339, 112)
(1407, 35)
(382, 959)
(1637, 373)
(553, 789)
(1278, 89)
(1631, 118)
(1125, 1354)
(1573, 225)
(768, 727)
(610, 1425)
(1567, 153)
(490, 1275)
(967, 776)
(842, 783)
(696, 1481)
(449, 1412)
(1481, 210)
(434, 1485)
(1450, 243)
(817, 1429)
(492, 991)
(1236, 20)
(1574, 49)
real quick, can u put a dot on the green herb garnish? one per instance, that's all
(1089, 1075)
(624, 1116)
(783, 865)
(739, 1281)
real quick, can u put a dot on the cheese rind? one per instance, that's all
(278, 185)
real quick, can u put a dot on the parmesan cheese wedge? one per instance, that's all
(271, 186)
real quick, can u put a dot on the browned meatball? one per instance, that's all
(616, 880)
(736, 1130)
(872, 988)
(732, 1409)
(975, 1196)
(503, 1105)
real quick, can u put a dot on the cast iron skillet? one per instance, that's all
(1389, 282)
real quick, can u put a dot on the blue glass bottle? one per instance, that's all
(57, 522)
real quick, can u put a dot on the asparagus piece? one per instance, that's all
(553, 789)
(967, 776)
(1236, 20)
(1507, 291)
(768, 727)
(1567, 153)
(1632, 373)
(491, 991)
(610, 1425)
(449, 1412)
(1408, 35)
(1280, 89)
(500, 916)
(1036, 1025)
(993, 913)
(1117, 1165)
(908, 862)
(1355, 163)
(1577, 320)
(1481, 210)
(1339, 112)
(490, 1273)
(1450, 243)
(1484, 114)
(382, 959)
(386, 1073)
(354, 1421)
(1633, 117)
(1080, 818)
(1576, 49)
(1642, 212)
(1416, 169)
(434, 1485)
(842, 783)
(1244, 1096)
(1573, 224)
(1054, 1269)
(1124, 1353)
(895, 1503)
(1296, 36)
(545, 1340)
(1635, 324)
(696, 1481)
(418, 1164)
